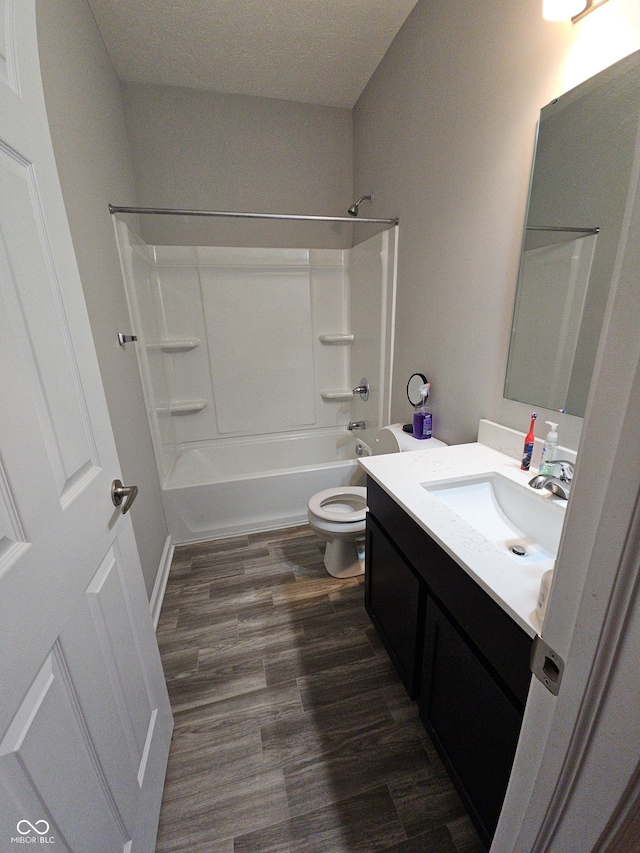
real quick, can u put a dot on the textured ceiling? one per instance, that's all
(314, 51)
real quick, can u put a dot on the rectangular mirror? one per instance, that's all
(581, 174)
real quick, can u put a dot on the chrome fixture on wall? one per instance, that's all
(126, 339)
(356, 425)
(362, 388)
(353, 210)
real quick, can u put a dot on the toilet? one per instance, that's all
(338, 515)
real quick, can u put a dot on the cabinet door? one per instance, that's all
(473, 724)
(394, 600)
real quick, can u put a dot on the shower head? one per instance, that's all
(353, 210)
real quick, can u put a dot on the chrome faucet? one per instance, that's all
(356, 425)
(362, 388)
(559, 482)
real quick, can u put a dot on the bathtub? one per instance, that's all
(241, 485)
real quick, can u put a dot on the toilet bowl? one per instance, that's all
(339, 515)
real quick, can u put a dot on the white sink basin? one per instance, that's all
(511, 515)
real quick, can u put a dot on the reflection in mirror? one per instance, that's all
(581, 175)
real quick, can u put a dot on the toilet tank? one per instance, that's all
(393, 439)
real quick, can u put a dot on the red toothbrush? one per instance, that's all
(528, 444)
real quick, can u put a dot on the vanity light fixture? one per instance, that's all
(562, 10)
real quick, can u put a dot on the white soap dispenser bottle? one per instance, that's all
(549, 450)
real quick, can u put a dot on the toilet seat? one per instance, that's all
(333, 504)
(339, 515)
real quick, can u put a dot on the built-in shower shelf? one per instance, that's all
(184, 407)
(337, 394)
(337, 339)
(176, 344)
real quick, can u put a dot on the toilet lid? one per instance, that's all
(343, 504)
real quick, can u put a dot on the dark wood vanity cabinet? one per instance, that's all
(472, 722)
(395, 599)
(463, 658)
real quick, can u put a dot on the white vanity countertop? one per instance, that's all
(402, 475)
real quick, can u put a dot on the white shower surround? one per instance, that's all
(233, 462)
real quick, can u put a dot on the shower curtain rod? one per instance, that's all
(165, 211)
(560, 228)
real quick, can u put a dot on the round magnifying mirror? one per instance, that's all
(413, 388)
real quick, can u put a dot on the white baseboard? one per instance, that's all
(162, 577)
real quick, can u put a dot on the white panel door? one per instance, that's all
(85, 721)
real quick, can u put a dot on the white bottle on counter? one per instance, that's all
(549, 450)
(543, 594)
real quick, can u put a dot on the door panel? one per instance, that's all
(85, 721)
(44, 343)
(36, 767)
(105, 653)
(111, 611)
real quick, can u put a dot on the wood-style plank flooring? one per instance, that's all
(293, 733)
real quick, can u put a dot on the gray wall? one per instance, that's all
(443, 136)
(89, 138)
(212, 151)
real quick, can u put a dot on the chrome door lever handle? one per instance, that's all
(120, 493)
